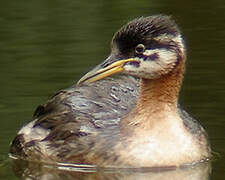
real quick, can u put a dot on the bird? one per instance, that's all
(125, 111)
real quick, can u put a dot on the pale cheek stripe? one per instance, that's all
(177, 39)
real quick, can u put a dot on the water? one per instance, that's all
(47, 45)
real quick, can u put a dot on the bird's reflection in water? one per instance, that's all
(29, 170)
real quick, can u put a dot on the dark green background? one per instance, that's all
(47, 45)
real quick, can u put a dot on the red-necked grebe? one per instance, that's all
(116, 122)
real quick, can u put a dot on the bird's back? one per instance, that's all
(69, 123)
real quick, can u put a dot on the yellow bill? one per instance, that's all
(100, 73)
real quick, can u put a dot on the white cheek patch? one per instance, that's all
(165, 56)
(150, 69)
(164, 64)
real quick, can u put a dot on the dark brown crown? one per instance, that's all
(142, 30)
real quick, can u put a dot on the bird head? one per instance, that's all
(147, 47)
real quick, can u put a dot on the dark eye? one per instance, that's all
(140, 48)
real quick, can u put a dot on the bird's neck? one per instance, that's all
(157, 100)
(155, 93)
